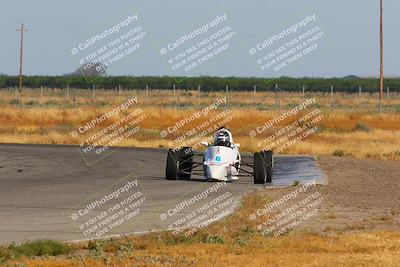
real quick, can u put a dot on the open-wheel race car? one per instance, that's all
(221, 160)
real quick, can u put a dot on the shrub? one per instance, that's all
(213, 239)
(362, 127)
(295, 183)
(31, 103)
(14, 102)
(51, 103)
(338, 153)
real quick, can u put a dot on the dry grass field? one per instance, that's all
(353, 127)
(368, 234)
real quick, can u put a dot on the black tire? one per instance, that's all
(171, 170)
(259, 173)
(269, 165)
(185, 163)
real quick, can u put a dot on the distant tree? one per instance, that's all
(351, 77)
(90, 69)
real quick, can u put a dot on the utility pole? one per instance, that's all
(381, 56)
(21, 54)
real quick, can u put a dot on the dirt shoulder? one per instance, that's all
(361, 194)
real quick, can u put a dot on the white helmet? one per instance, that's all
(222, 137)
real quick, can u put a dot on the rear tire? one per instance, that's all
(259, 168)
(269, 165)
(171, 170)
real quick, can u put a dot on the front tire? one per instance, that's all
(179, 164)
(185, 163)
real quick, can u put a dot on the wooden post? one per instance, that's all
(119, 90)
(276, 96)
(94, 92)
(199, 93)
(303, 92)
(41, 91)
(332, 103)
(226, 93)
(174, 92)
(387, 92)
(254, 94)
(67, 92)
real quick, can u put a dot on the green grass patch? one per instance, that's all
(34, 249)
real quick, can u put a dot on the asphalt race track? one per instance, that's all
(42, 188)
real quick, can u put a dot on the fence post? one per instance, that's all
(41, 91)
(388, 92)
(226, 92)
(332, 103)
(68, 92)
(303, 92)
(94, 92)
(174, 93)
(254, 94)
(147, 93)
(276, 96)
(199, 95)
(74, 99)
(119, 90)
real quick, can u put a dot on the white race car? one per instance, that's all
(220, 161)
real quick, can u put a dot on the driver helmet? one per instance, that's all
(222, 138)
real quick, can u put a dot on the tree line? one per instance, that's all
(207, 83)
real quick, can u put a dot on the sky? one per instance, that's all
(348, 44)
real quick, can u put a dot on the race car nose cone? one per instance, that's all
(217, 172)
